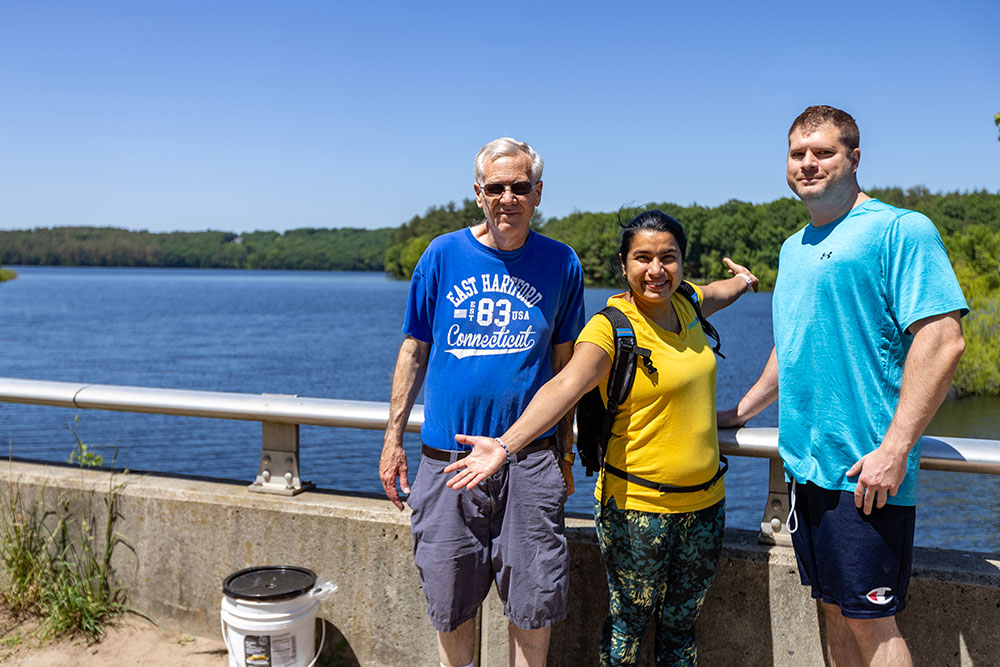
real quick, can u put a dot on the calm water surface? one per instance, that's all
(332, 335)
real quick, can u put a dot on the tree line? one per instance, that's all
(300, 249)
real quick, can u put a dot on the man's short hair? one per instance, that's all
(814, 116)
(503, 147)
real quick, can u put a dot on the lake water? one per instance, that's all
(333, 335)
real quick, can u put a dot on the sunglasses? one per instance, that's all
(520, 188)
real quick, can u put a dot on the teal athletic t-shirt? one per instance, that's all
(845, 294)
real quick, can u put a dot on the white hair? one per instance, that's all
(506, 146)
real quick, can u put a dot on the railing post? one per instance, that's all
(278, 471)
(772, 527)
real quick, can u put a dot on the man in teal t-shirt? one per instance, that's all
(867, 332)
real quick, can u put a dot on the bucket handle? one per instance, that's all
(322, 637)
(323, 590)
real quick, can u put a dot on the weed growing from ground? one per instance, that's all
(9, 644)
(80, 597)
(24, 556)
(83, 454)
(62, 573)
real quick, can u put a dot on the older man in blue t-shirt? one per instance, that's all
(867, 334)
(492, 315)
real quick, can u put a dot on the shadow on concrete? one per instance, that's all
(739, 600)
(575, 641)
(336, 651)
(948, 590)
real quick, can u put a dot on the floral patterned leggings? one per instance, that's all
(659, 565)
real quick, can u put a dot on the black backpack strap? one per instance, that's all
(687, 290)
(623, 366)
(670, 488)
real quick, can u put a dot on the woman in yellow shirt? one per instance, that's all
(660, 549)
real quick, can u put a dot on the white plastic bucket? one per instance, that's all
(269, 616)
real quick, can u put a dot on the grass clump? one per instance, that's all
(56, 561)
(23, 553)
(79, 597)
(9, 644)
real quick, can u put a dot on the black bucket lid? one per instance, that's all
(269, 583)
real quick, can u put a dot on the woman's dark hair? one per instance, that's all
(652, 221)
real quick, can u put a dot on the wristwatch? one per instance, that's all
(569, 457)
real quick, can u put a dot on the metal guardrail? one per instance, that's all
(280, 416)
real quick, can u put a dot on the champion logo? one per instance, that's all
(880, 595)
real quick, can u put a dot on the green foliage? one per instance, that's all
(410, 252)
(975, 253)
(23, 553)
(409, 241)
(979, 370)
(594, 237)
(61, 573)
(750, 234)
(79, 597)
(301, 249)
(7, 274)
(83, 454)
(10, 642)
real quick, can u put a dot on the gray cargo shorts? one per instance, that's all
(510, 529)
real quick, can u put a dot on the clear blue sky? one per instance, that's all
(276, 115)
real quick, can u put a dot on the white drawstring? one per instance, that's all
(791, 511)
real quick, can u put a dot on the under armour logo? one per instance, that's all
(826, 255)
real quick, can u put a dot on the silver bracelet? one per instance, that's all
(500, 442)
(748, 279)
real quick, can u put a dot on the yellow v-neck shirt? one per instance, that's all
(665, 431)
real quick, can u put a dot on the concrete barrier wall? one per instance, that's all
(187, 535)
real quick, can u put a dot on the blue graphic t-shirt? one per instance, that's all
(492, 317)
(845, 295)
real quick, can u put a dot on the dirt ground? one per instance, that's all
(134, 641)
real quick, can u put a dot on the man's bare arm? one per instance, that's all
(937, 346)
(759, 396)
(411, 366)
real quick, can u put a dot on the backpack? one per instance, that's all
(594, 420)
